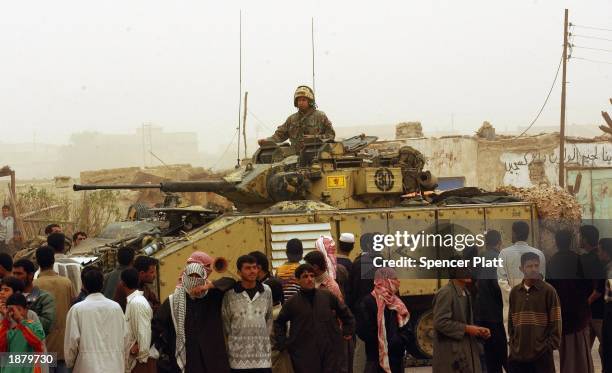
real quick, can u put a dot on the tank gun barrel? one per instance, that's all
(216, 185)
(78, 187)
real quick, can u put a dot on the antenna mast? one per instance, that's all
(240, 92)
(313, 52)
(244, 118)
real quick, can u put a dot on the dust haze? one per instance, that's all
(78, 76)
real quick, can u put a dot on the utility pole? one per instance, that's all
(562, 129)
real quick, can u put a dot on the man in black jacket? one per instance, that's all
(265, 277)
(360, 284)
(605, 254)
(316, 340)
(489, 308)
(593, 270)
(394, 319)
(565, 274)
(361, 277)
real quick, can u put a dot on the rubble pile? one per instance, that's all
(486, 131)
(552, 202)
(557, 209)
(136, 175)
(406, 130)
(156, 175)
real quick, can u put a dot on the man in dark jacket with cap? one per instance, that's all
(316, 340)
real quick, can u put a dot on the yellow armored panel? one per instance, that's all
(378, 180)
(228, 237)
(461, 221)
(335, 188)
(353, 221)
(414, 221)
(501, 218)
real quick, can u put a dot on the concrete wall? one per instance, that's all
(451, 156)
(516, 164)
(490, 164)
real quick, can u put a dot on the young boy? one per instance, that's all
(286, 272)
(19, 334)
(138, 315)
(247, 320)
(534, 321)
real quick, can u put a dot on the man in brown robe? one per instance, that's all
(315, 342)
(455, 346)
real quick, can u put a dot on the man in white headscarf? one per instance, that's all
(188, 328)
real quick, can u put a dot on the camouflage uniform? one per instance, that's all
(411, 162)
(312, 122)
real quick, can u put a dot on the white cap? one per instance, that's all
(347, 237)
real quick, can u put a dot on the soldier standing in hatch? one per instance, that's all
(308, 121)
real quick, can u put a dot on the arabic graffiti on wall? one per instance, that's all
(583, 154)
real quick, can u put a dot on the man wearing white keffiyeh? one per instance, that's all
(193, 277)
(188, 328)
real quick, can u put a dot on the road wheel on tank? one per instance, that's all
(422, 324)
(138, 211)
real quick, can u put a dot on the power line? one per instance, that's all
(590, 37)
(545, 101)
(226, 149)
(589, 60)
(591, 27)
(158, 158)
(258, 120)
(590, 48)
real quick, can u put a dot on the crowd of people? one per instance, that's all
(522, 311)
(305, 319)
(319, 312)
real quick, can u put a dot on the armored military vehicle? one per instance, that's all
(327, 189)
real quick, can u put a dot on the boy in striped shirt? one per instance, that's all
(534, 321)
(286, 272)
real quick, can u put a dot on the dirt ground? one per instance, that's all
(594, 353)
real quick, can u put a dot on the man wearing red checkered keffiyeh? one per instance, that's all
(382, 320)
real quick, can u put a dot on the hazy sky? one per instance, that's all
(110, 66)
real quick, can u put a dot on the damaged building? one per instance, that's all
(493, 161)
(490, 161)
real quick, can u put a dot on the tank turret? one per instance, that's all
(336, 173)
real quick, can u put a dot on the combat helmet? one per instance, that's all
(304, 91)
